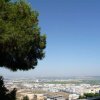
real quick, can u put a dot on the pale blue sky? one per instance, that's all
(73, 38)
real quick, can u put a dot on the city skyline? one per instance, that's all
(73, 38)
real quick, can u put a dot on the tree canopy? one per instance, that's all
(21, 42)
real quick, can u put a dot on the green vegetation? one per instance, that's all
(92, 81)
(25, 98)
(21, 42)
(5, 94)
(56, 82)
(63, 82)
(89, 95)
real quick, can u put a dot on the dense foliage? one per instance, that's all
(5, 94)
(21, 42)
(89, 95)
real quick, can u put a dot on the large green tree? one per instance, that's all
(21, 42)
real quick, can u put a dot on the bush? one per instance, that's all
(25, 98)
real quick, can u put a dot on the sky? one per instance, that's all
(73, 39)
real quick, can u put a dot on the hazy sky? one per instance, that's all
(73, 38)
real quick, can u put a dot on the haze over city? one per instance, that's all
(73, 39)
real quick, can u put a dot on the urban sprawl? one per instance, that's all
(53, 89)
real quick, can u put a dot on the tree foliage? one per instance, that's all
(21, 42)
(5, 94)
(90, 95)
(25, 98)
